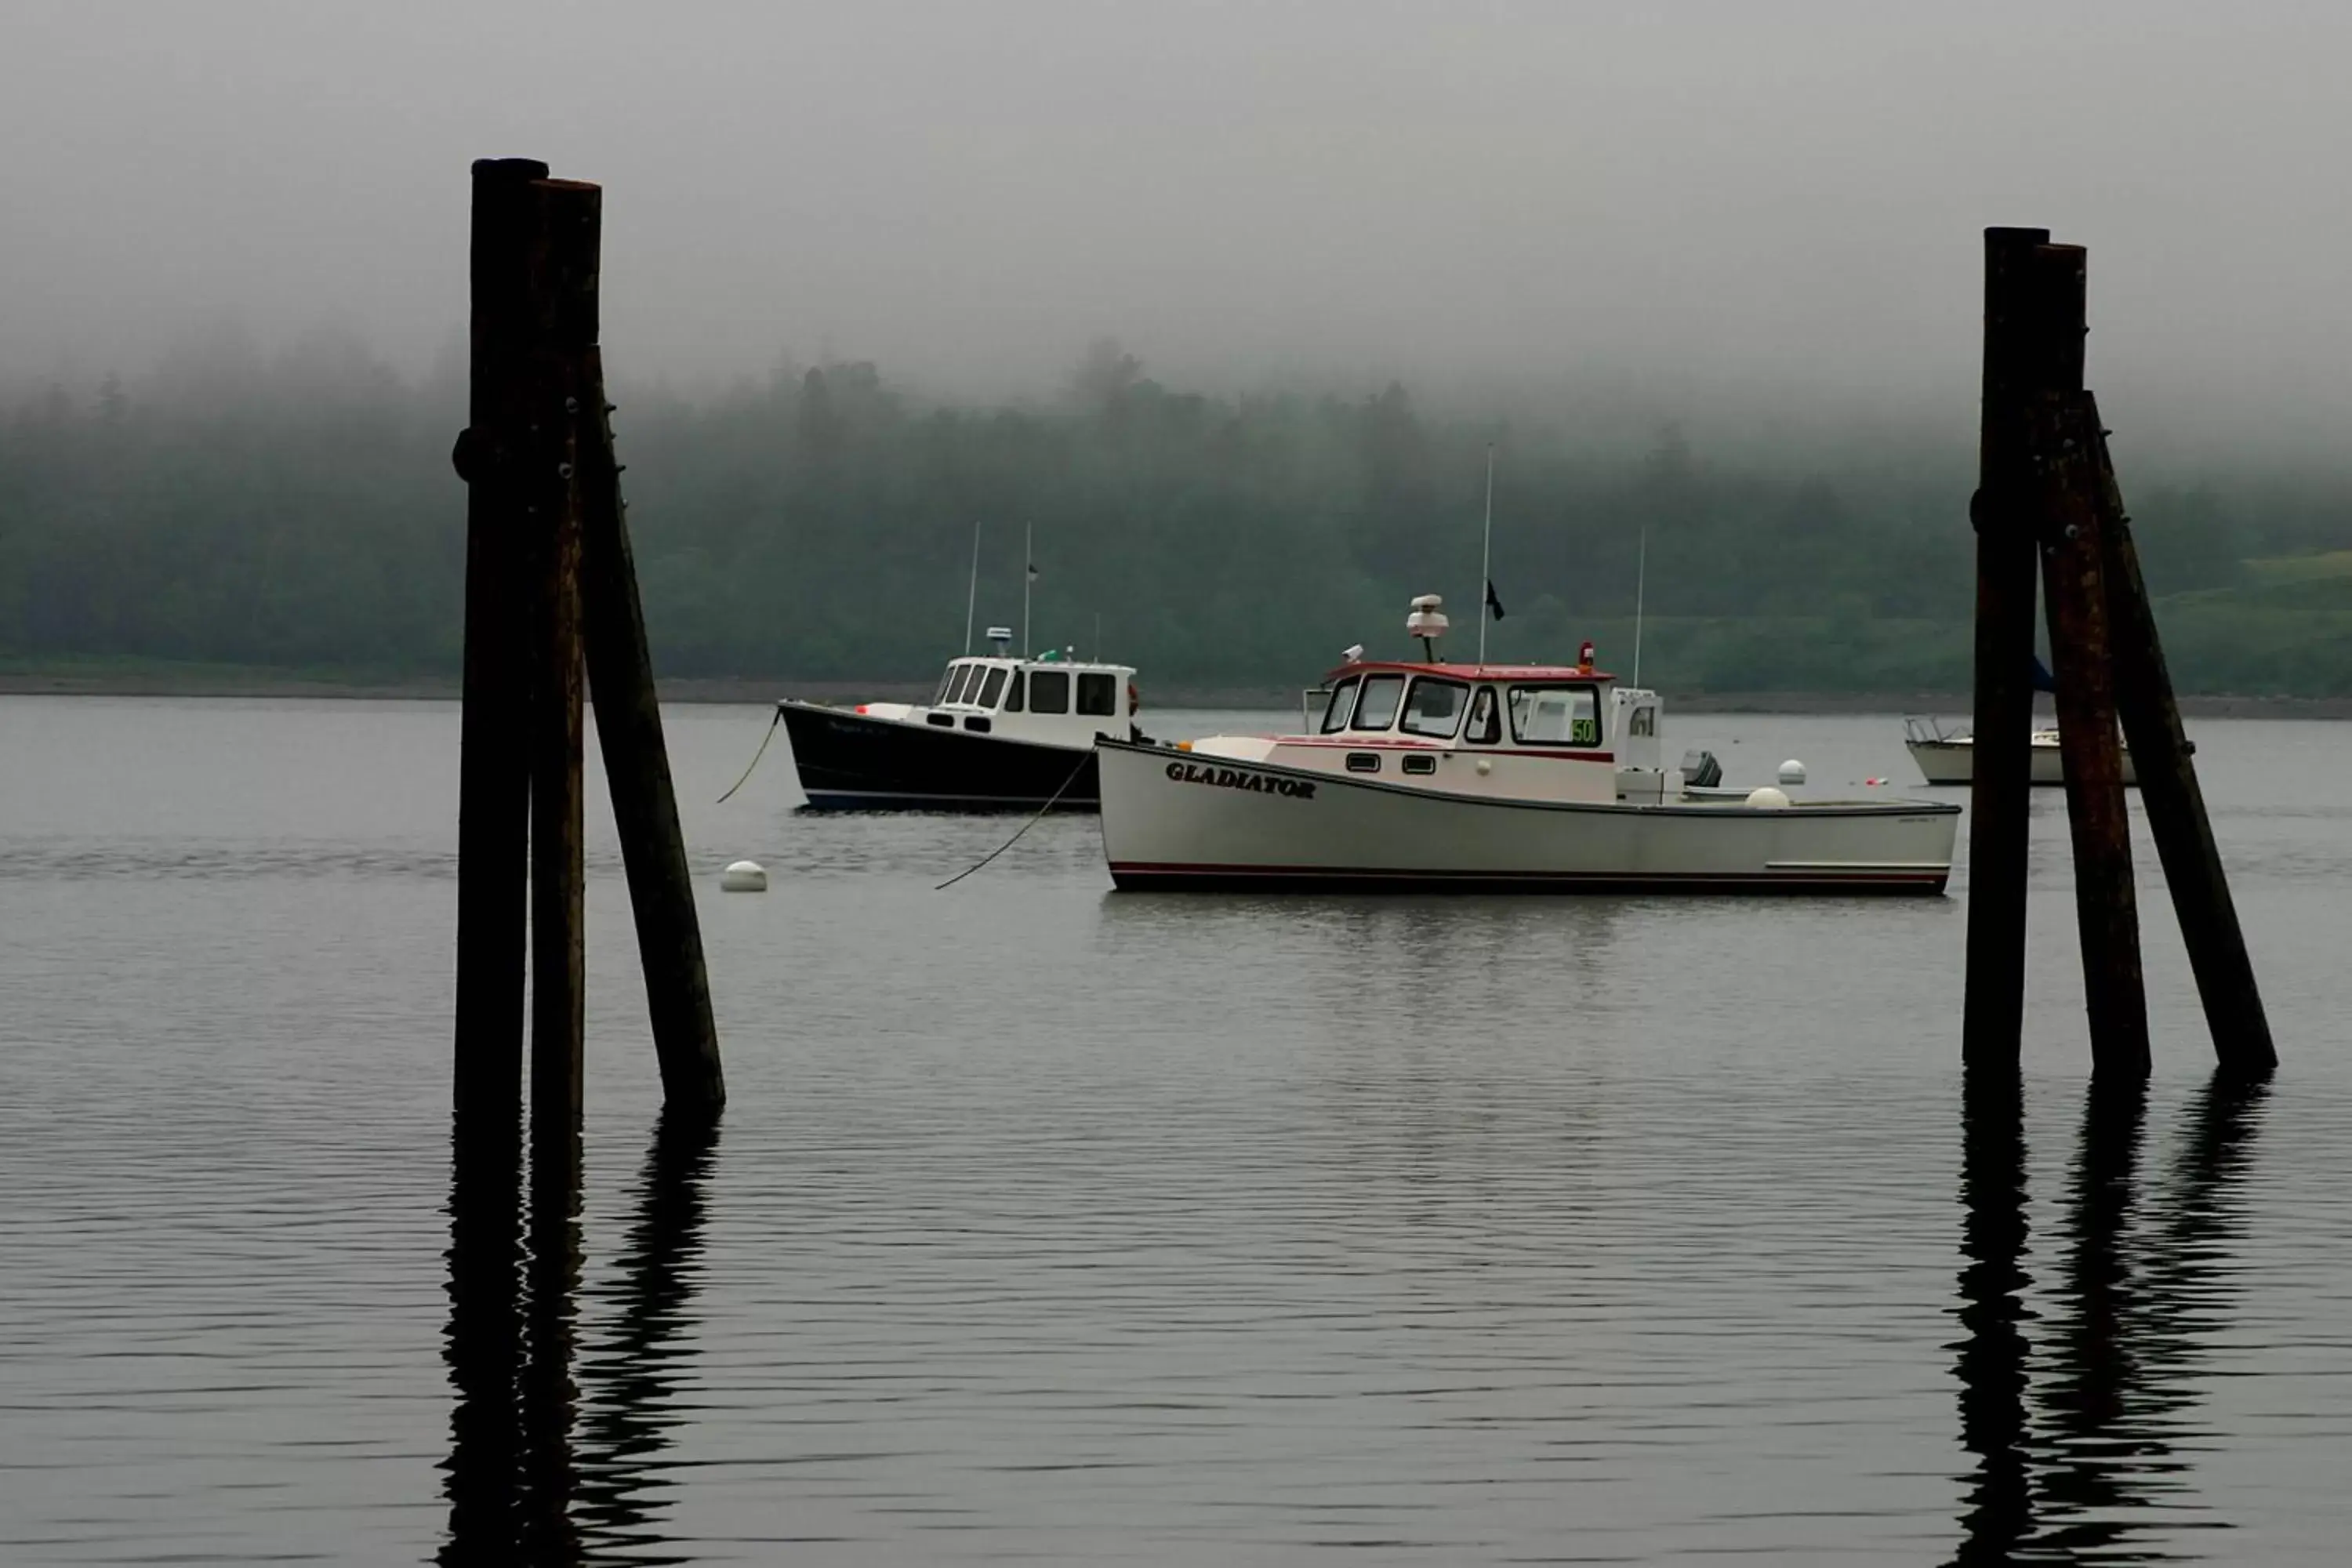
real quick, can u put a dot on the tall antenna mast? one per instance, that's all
(1028, 576)
(1486, 557)
(1641, 579)
(971, 598)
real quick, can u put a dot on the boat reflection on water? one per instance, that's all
(2077, 1427)
(542, 1469)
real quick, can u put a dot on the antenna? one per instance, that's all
(1028, 576)
(1641, 579)
(1486, 557)
(971, 598)
(1097, 637)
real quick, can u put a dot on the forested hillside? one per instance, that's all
(300, 513)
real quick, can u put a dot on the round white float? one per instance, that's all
(743, 877)
(1792, 772)
(1767, 796)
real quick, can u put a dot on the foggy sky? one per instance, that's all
(1772, 202)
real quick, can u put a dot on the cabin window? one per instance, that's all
(1376, 709)
(992, 688)
(1555, 715)
(979, 723)
(1485, 718)
(1015, 692)
(1049, 691)
(1098, 694)
(1434, 708)
(1645, 723)
(1335, 714)
(1363, 761)
(947, 683)
(963, 687)
(1421, 765)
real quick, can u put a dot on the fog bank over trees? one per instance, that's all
(292, 508)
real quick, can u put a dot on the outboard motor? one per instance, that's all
(1701, 771)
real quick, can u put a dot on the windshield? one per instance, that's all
(1434, 709)
(1335, 712)
(1378, 708)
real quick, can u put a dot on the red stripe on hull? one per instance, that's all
(1141, 874)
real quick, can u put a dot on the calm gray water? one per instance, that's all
(1052, 1225)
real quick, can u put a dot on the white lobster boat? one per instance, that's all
(1947, 756)
(1423, 774)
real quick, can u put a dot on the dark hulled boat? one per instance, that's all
(1003, 733)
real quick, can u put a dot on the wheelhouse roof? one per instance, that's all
(1017, 661)
(1520, 672)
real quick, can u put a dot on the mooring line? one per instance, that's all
(1083, 759)
(762, 751)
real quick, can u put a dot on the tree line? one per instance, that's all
(299, 513)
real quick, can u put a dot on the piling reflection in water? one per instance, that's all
(548, 1395)
(2107, 1451)
(1991, 1364)
(542, 1469)
(2077, 1438)
(632, 1374)
(483, 1343)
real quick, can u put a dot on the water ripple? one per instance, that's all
(1052, 1226)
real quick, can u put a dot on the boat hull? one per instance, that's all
(848, 761)
(1942, 762)
(1171, 820)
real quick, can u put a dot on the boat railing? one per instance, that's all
(1930, 731)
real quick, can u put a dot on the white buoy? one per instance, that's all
(1768, 797)
(1792, 772)
(743, 877)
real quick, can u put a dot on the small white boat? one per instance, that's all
(1948, 756)
(1423, 774)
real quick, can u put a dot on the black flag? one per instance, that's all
(1493, 603)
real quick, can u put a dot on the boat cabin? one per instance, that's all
(1565, 732)
(1529, 706)
(1048, 700)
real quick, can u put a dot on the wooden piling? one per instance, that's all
(2105, 907)
(2169, 794)
(1994, 1012)
(564, 267)
(636, 769)
(550, 586)
(493, 789)
(2044, 471)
